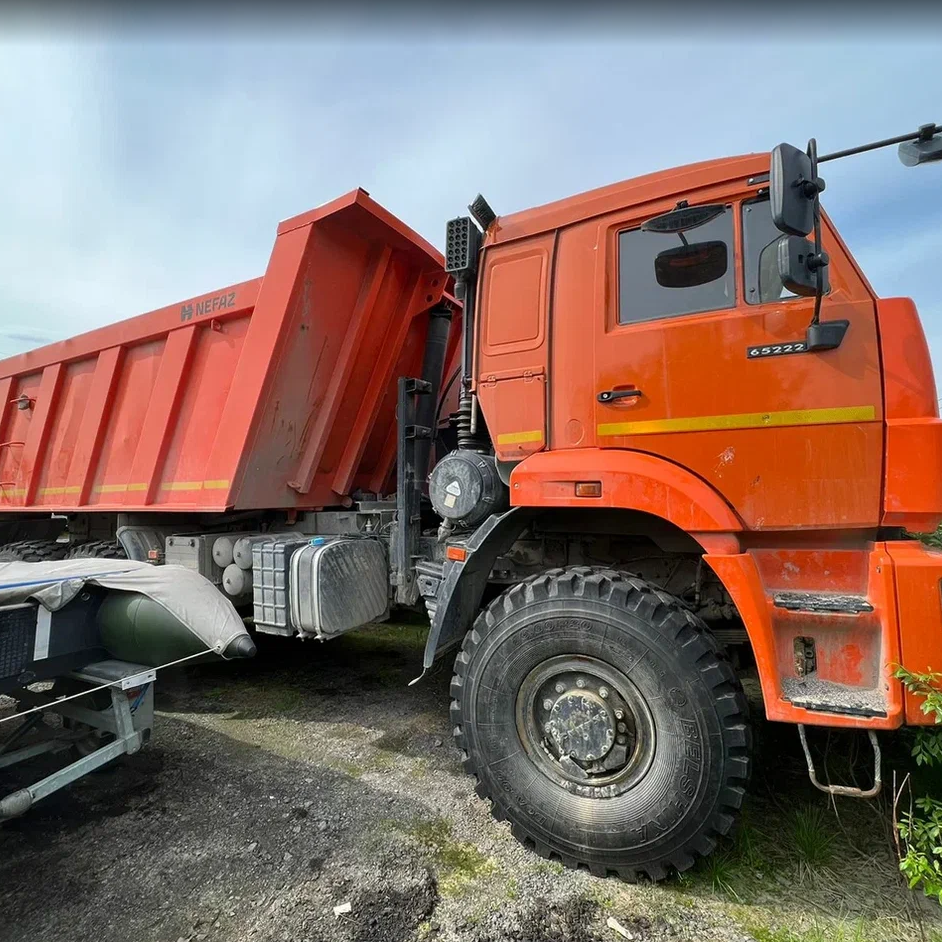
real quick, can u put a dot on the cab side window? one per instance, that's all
(671, 274)
(760, 264)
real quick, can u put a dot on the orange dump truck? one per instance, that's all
(605, 442)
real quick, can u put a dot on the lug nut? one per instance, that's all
(619, 714)
(622, 740)
(580, 683)
(560, 688)
(603, 692)
(622, 728)
(547, 704)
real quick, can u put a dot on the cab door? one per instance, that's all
(704, 363)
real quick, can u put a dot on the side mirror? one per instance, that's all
(793, 188)
(799, 265)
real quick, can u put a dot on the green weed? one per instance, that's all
(459, 863)
(813, 835)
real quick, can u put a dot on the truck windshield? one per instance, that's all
(759, 254)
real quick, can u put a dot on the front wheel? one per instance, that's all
(602, 719)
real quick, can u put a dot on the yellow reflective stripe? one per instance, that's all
(214, 485)
(118, 488)
(705, 423)
(12, 492)
(58, 491)
(518, 438)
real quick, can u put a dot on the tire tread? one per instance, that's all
(670, 616)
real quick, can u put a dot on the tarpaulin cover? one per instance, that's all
(190, 598)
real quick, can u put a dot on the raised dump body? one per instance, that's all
(278, 392)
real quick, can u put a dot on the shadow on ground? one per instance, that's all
(314, 775)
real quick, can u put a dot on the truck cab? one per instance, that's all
(668, 373)
(710, 371)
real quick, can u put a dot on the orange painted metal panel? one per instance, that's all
(652, 186)
(853, 650)
(516, 404)
(204, 388)
(785, 478)
(790, 441)
(276, 392)
(34, 448)
(630, 480)
(912, 497)
(16, 425)
(85, 445)
(511, 368)
(111, 479)
(66, 421)
(162, 412)
(918, 574)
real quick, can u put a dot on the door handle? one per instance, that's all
(608, 395)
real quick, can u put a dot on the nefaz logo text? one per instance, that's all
(207, 306)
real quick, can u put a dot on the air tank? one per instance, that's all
(225, 544)
(236, 581)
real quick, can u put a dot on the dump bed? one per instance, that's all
(274, 393)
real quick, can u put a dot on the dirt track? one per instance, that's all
(310, 777)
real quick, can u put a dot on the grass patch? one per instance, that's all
(840, 930)
(286, 700)
(721, 870)
(736, 868)
(458, 863)
(398, 636)
(813, 836)
(348, 768)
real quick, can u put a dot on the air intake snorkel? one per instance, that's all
(462, 249)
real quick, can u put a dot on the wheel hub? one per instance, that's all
(585, 725)
(581, 726)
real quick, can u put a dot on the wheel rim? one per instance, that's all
(585, 725)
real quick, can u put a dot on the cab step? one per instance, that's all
(824, 602)
(828, 696)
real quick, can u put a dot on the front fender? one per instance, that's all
(462, 584)
(631, 480)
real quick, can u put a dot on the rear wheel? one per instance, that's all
(602, 719)
(97, 549)
(33, 551)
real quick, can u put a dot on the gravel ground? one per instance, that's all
(311, 777)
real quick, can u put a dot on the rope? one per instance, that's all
(111, 683)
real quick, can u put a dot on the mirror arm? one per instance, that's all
(925, 133)
(820, 260)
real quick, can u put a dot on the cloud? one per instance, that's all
(142, 170)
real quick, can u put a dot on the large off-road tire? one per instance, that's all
(33, 551)
(602, 719)
(97, 549)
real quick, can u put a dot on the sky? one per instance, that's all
(147, 161)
